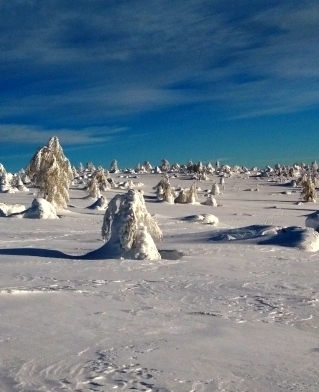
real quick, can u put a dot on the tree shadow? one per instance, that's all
(105, 252)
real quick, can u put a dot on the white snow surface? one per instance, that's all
(238, 312)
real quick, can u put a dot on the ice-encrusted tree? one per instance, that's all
(148, 166)
(165, 165)
(164, 190)
(187, 196)
(98, 182)
(215, 189)
(51, 171)
(128, 227)
(114, 167)
(93, 189)
(2, 169)
(308, 191)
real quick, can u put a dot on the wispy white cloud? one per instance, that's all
(25, 134)
(119, 58)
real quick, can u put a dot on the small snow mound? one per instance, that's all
(312, 221)
(138, 184)
(40, 209)
(11, 190)
(99, 204)
(309, 240)
(211, 201)
(204, 218)
(210, 219)
(8, 209)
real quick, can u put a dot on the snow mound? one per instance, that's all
(303, 238)
(99, 204)
(211, 201)
(312, 221)
(210, 219)
(8, 209)
(204, 218)
(138, 184)
(309, 240)
(40, 209)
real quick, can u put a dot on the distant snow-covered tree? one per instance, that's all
(90, 167)
(187, 196)
(148, 166)
(164, 190)
(52, 172)
(99, 180)
(114, 166)
(314, 166)
(2, 169)
(215, 189)
(209, 168)
(308, 191)
(5, 185)
(165, 166)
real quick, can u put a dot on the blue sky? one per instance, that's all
(236, 81)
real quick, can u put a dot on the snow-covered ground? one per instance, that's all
(238, 312)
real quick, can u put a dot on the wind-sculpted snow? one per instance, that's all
(231, 307)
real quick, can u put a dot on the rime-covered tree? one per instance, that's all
(165, 192)
(148, 166)
(128, 228)
(308, 191)
(215, 189)
(98, 182)
(51, 171)
(2, 169)
(114, 167)
(165, 166)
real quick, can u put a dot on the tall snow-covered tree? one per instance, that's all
(51, 171)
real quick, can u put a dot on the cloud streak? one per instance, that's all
(89, 62)
(25, 134)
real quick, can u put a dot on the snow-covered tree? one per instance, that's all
(165, 166)
(114, 167)
(215, 189)
(308, 191)
(175, 167)
(93, 189)
(314, 166)
(209, 168)
(222, 182)
(2, 169)
(99, 180)
(165, 192)
(187, 196)
(128, 228)
(4, 182)
(90, 167)
(148, 166)
(51, 171)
